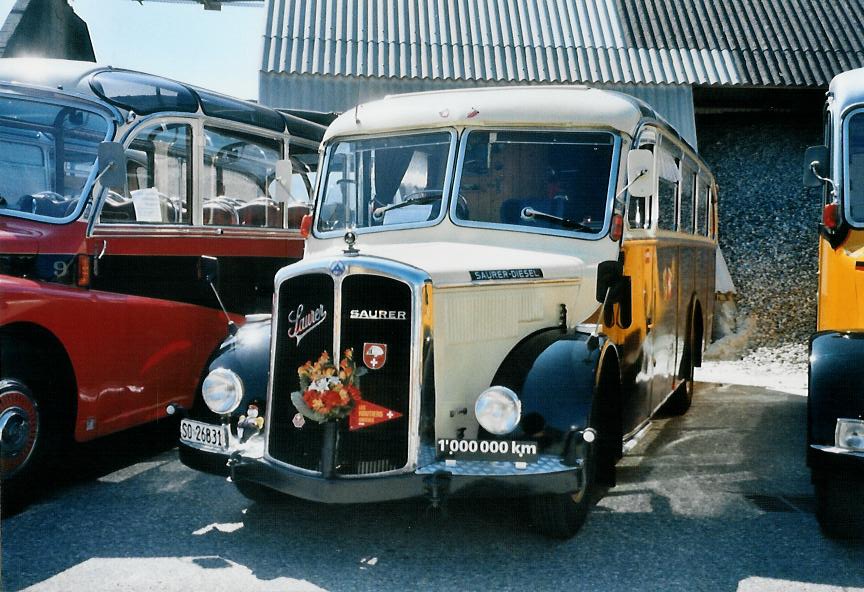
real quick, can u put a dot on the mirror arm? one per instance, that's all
(103, 171)
(823, 179)
(641, 174)
(232, 327)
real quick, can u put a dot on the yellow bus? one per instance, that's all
(835, 403)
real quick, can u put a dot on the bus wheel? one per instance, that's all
(21, 437)
(681, 399)
(839, 506)
(560, 516)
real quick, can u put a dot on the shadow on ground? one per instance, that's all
(719, 499)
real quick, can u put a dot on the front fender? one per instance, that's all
(248, 355)
(836, 376)
(554, 375)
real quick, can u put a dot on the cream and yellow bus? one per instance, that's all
(500, 288)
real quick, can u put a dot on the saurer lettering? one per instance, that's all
(304, 322)
(379, 315)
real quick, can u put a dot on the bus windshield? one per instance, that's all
(385, 181)
(544, 181)
(47, 153)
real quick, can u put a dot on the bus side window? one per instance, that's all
(701, 208)
(712, 215)
(669, 177)
(238, 170)
(666, 193)
(158, 179)
(685, 207)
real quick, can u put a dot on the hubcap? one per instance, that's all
(19, 429)
(14, 429)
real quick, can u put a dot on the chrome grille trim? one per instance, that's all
(415, 279)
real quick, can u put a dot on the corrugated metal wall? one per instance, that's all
(335, 93)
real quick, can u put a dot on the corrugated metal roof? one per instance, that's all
(769, 42)
(750, 42)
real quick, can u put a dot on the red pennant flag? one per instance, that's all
(367, 414)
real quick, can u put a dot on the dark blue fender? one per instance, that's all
(248, 354)
(835, 387)
(554, 374)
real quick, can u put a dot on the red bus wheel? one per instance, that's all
(19, 428)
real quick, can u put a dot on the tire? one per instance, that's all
(257, 493)
(840, 506)
(24, 440)
(680, 401)
(561, 516)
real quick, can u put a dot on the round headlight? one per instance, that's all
(498, 410)
(222, 391)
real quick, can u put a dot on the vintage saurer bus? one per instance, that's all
(835, 405)
(500, 288)
(112, 185)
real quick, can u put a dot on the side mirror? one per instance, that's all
(609, 273)
(640, 172)
(112, 166)
(815, 166)
(611, 278)
(208, 269)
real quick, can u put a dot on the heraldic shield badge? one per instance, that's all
(374, 355)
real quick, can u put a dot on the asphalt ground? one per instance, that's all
(719, 499)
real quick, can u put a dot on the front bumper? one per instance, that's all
(825, 458)
(434, 480)
(215, 461)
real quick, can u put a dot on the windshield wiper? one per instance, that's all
(531, 214)
(423, 197)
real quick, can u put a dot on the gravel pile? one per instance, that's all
(768, 230)
(781, 368)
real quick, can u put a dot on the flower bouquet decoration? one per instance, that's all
(328, 392)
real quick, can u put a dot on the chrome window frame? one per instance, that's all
(446, 189)
(614, 166)
(53, 98)
(197, 122)
(844, 165)
(415, 279)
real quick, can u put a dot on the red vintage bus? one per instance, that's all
(104, 320)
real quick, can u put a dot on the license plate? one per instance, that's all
(492, 450)
(196, 432)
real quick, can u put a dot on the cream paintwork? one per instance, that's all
(552, 106)
(476, 324)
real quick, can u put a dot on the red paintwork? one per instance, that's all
(131, 355)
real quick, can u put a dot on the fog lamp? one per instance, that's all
(498, 410)
(222, 391)
(849, 434)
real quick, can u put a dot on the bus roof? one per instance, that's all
(551, 106)
(847, 88)
(146, 94)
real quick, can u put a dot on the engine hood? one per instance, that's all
(449, 263)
